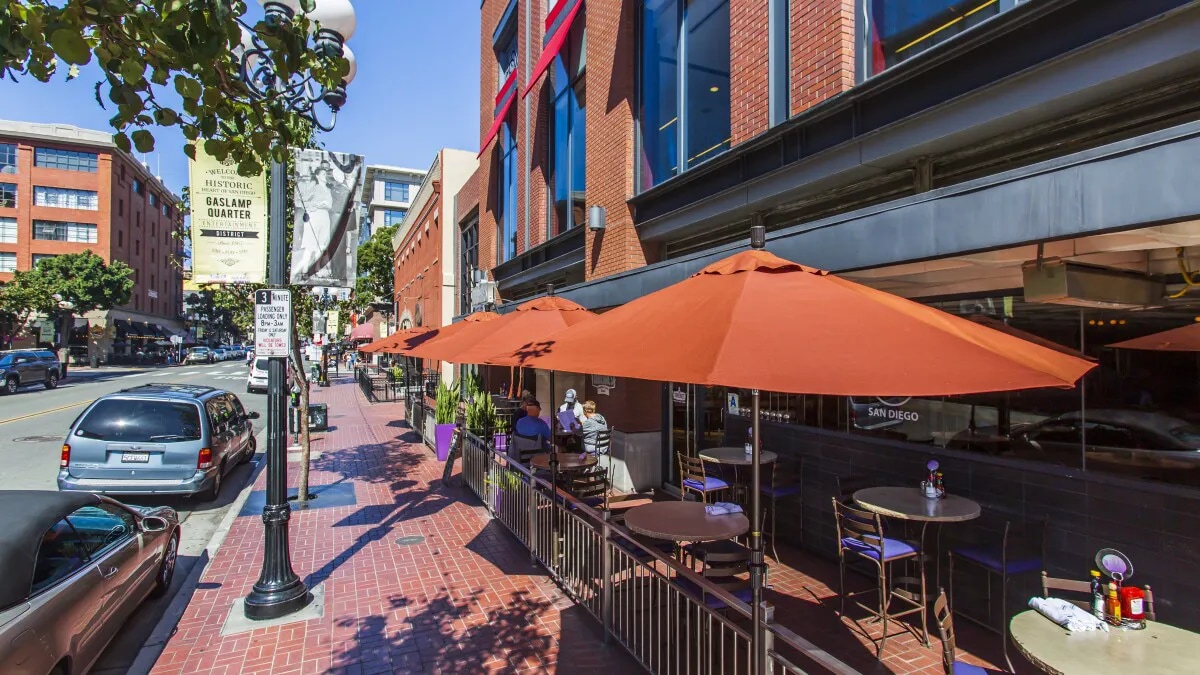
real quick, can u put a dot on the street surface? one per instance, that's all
(33, 423)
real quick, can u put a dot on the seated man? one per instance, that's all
(533, 426)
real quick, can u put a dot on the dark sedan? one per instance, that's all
(73, 567)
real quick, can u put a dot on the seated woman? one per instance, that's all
(593, 424)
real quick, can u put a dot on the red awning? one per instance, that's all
(504, 101)
(552, 47)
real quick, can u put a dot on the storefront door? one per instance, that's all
(696, 422)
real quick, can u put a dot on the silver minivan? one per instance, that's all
(157, 439)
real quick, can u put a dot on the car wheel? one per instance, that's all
(166, 570)
(214, 490)
(52, 381)
(248, 453)
(11, 384)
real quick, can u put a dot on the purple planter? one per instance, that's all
(500, 443)
(442, 435)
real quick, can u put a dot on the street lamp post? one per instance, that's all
(279, 591)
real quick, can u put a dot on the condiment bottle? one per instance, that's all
(1097, 595)
(1112, 605)
(1133, 607)
(750, 441)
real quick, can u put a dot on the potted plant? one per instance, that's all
(445, 410)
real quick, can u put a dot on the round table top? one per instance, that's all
(736, 456)
(1158, 648)
(567, 461)
(684, 521)
(911, 504)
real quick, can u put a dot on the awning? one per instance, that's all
(364, 331)
(122, 326)
(503, 102)
(558, 27)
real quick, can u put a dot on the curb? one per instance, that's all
(156, 642)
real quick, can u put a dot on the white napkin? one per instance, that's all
(722, 509)
(1068, 615)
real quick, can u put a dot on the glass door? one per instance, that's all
(683, 412)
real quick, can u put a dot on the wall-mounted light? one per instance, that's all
(476, 275)
(596, 218)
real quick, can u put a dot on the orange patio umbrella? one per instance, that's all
(757, 321)
(470, 323)
(393, 340)
(1182, 339)
(988, 321)
(529, 322)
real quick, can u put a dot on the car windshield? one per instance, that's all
(6, 359)
(141, 421)
(260, 364)
(200, 350)
(1188, 434)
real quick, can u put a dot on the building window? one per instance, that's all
(393, 216)
(166, 209)
(8, 262)
(153, 200)
(8, 158)
(683, 102)
(120, 238)
(120, 207)
(506, 213)
(8, 195)
(567, 136)
(504, 43)
(66, 198)
(137, 246)
(50, 230)
(138, 186)
(468, 261)
(67, 160)
(39, 257)
(395, 192)
(892, 31)
(8, 230)
(506, 62)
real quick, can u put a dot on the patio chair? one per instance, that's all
(784, 481)
(1015, 548)
(950, 665)
(590, 486)
(726, 569)
(525, 447)
(860, 535)
(694, 478)
(603, 442)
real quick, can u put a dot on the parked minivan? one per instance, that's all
(23, 367)
(157, 439)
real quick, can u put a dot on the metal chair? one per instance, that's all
(603, 442)
(860, 534)
(945, 619)
(1020, 550)
(525, 447)
(693, 477)
(726, 569)
(784, 481)
(590, 486)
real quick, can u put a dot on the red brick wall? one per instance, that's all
(822, 50)
(749, 86)
(467, 198)
(424, 259)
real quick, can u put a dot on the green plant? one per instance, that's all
(472, 385)
(481, 415)
(446, 403)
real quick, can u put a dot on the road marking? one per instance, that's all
(137, 375)
(44, 412)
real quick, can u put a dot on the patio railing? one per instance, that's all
(633, 590)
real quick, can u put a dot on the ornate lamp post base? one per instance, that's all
(278, 591)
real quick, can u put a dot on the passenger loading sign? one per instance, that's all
(272, 322)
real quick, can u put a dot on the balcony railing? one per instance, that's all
(632, 589)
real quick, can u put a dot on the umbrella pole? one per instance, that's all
(757, 568)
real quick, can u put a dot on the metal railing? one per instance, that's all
(632, 589)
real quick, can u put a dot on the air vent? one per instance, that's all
(1061, 282)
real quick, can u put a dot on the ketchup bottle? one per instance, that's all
(1133, 609)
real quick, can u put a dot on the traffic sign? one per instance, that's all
(273, 322)
(176, 340)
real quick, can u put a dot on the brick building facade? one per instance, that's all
(69, 190)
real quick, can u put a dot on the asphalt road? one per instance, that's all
(33, 423)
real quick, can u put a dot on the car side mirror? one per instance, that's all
(153, 524)
(252, 415)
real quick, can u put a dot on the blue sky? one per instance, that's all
(417, 90)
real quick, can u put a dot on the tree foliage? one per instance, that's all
(82, 279)
(376, 270)
(169, 63)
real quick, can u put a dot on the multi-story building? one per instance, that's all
(970, 154)
(388, 194)
(67, 190)
(424, 245)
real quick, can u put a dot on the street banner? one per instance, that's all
(229, 222)
(331, 322)
(327, 188)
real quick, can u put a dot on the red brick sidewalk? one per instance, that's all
(466, 600)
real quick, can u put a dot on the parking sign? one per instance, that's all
(273, 322)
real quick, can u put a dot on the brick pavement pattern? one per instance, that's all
(466, 600)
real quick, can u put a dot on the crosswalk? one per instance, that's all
(231, 372)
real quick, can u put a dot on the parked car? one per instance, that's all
(157, 439)
(24, 367)
(199, 355)
(219, 354)
(256, 379)
(75, 566)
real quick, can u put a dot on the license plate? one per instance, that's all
(137, 457)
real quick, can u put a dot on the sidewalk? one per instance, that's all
(466, 599)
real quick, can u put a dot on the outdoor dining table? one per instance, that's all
(906, 503)
(567, 461)
(684, 521)
(1157, 649)
(736, 457)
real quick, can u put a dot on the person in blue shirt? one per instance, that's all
(533, 425)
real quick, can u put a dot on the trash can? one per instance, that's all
(318, 416)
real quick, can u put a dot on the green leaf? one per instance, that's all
(121, 140)
(187, 87)
(70, 46)
(160, 76)
(166, 117)
(307, 6)
(190, 151)
(143, 140)
(132, 70)
(216, 148)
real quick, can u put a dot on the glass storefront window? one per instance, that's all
(568, 137)
(507, 212)
(892, 31)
